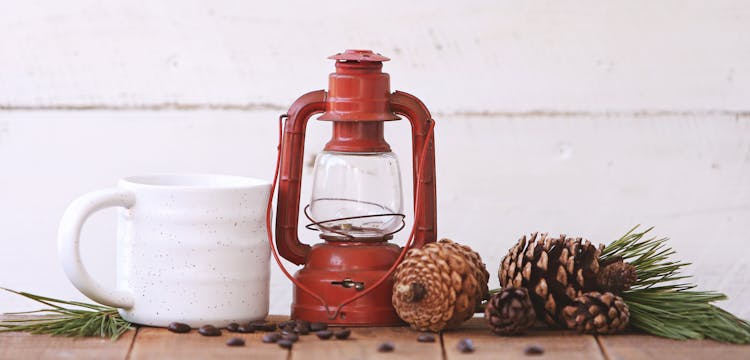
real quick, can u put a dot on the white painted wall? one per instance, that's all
(583, 117)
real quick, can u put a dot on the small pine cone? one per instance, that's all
(510, 311)
(439, 286)
(616, 276)
(597, 313)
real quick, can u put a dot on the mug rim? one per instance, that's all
(187, 181)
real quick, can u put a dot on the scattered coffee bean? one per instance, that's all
(386, 347)
(317, 326)
(426, 337)
(245, 329)
(179, 328)
(286, 344)
(533, 350)
(302, 328)
(287, 323)
(303, 323)
(271, 338)
(263, 326)
(291, 337)
(342, 334)
(209, 330)
(324, 334)
(465, 346)
(233, 327)
(236, 342)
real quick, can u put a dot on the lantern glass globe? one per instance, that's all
(357, 196)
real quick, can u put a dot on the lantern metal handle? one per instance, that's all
(290, 175)
(421, 121)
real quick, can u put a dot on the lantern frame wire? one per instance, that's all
(318, 225)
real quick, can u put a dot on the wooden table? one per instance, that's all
(155, 343)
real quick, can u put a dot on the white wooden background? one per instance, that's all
(582, 117)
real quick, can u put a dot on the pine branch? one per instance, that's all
(661, 304)
(58, 320)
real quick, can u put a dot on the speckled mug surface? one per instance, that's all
(190, 248)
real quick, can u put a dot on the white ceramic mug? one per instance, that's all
(190, 248)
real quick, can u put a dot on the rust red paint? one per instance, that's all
(358, 103)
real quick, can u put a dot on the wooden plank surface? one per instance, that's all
(364, 342)
(610, 169)
(556, 344)
(641, 347)
(157, 343)
(15, 346)
(475, 56)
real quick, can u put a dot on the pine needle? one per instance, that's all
(662, 304)
(81, 320)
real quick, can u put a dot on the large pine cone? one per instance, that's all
(439, 286)
(510, 311)
(597, 313)
(558, 270)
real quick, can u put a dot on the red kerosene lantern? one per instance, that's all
(356, 198)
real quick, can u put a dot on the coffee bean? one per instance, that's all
(291, 337)
(179, 328)
(284, 324)
(533, 350)
(303, 323)
(324, 334)
(465, 346)
(271, 338)
(209, 330)
(317, 326)
(263, 326)
(236, 342)
(286, 344)
(342, 334)
(245, 329)
(233, 327)
(302, 328)
(386, 347)
(426, 337)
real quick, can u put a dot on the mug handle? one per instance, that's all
(69, 238)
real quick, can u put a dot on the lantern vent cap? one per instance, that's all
(359, 55)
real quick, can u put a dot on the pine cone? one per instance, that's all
(439, 286)
(510, 311)
(479, 268)
(616, 276)
(597, 313)
(554, 270)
